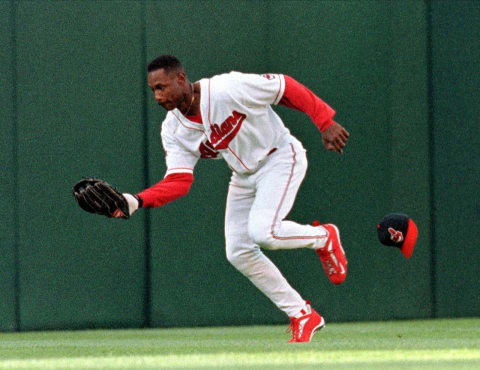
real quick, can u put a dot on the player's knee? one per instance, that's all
(233, 250)
(261, 234)
(232, 256)
(239, 256)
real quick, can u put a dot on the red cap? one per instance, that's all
(398, 230)
(410, 239)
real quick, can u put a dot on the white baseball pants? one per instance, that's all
(256, 207)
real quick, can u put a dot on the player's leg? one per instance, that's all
(278, 182)
(248, 258)
(277, 185)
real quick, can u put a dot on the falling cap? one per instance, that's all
(398, 230)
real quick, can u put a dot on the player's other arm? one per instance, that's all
(299, 97)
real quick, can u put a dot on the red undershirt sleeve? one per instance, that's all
(299, 97)
(170, 188)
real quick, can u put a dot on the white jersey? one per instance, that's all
(239, 124)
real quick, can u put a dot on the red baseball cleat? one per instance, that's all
(305, 326)
(333, 256)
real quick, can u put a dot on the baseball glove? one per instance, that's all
(97, 196)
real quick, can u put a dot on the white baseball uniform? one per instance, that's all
(268, 166)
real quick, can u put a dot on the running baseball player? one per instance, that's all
(230, 116)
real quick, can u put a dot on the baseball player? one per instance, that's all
(230, 116)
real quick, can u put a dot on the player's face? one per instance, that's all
(168, 88)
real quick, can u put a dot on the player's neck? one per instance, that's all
(195, 109)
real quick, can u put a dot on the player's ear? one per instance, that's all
(181, 77)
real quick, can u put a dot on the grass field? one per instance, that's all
(426, 344)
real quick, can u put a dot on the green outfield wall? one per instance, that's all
(455, 31)
(8, 188)
(402, 75)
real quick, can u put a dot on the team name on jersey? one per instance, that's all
(222, 134)
(206, 150)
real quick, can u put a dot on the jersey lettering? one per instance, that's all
(224, 133)
(207, 151)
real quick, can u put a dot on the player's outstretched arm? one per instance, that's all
(97, 196)
(335, 137)
(172, 187)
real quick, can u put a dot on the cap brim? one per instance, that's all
(410, 239)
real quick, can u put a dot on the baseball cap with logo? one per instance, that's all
(398, 230)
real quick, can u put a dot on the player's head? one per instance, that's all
(168, 81)
(167, 62)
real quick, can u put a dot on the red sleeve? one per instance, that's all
(170, 188)
(299, 97)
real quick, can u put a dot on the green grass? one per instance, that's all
(425, 344)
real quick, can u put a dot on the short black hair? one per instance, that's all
(167, 62)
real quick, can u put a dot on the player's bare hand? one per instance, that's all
(335, 138)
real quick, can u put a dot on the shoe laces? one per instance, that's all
(293, 328)
(331, 269)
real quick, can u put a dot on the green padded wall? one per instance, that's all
(74, 78)
(456, 159)
(7, 168)
(79, 86)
